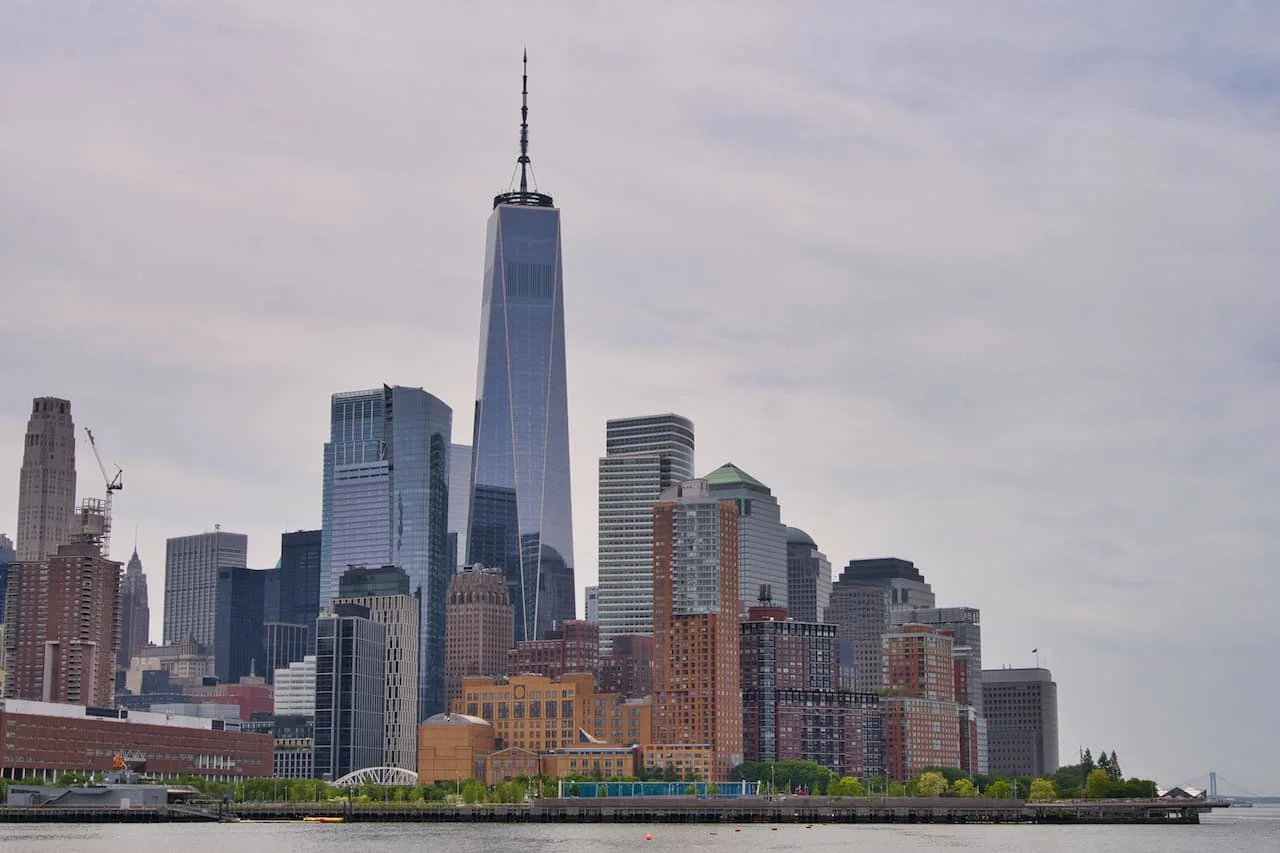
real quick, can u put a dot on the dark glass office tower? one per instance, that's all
(520, 518)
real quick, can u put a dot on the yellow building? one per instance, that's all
(610, 762)
(685, 759)
(537, 713)
(451, 748)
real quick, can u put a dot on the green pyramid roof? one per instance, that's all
(731, 475)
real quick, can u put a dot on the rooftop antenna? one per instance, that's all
(524, 125)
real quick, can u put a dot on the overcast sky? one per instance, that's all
(990, 286)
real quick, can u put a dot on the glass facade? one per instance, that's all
(386, 502)
(520, 519)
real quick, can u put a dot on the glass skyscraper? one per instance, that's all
(520, 519)
(386, 502)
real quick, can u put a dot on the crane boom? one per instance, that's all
(113, 483)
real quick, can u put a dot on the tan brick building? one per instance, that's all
(479, 628)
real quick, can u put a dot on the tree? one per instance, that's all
(1097, 785)
(1043, 789)
(508, 792)
(897, 789)
(931, 784)
(846, 787)
(474, 791)
(963, 788)
(713, 790)
(1113, 768)
(1104, 763)
(998, 790)
(691, 791)
(1086, 762)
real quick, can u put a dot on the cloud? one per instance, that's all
(989, 286)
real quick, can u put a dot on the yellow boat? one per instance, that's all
(319, 819)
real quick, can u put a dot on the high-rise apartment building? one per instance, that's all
(573, 647)
(7, 556)
(862, 603)
(480, 627)
(191, 566)
(521, 518)
(920, 712)
(350, 730)
(762, 538)
(62, 628)
(459, 502)
(792, 708)
(697, 696)
(386, 502)
(47, 483)
(644, 456)
(808, 577)
(135, 613)
(628, 668)
(300, 580)
(384, 592)
(1021, 706)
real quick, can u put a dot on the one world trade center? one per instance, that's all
(521, 513)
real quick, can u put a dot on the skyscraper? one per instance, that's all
(920, 713)
(63, 626)
(481, 623)
(386, 502)
(697, 687)
(240, 614)
(643, 457)
(135, 613)
(863, 602)
(300, 580)
(7, 556)
(384, 592)
(808, 577)
(521, 513)
(591, 609)
(459, 501)
(191, 566)
(47, 484)
(1021, 705)
(762, 538)
(351, 652)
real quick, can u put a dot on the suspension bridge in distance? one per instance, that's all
(1218, 787)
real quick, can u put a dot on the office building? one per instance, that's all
(643, 457)
(191, 566)
(7, 556)
(920, 712)
(62, 628)
(573, 647)
(384, 592)
(480, 627)
(239, 617)
(385, 502)
(47, 482)
(459, 502)
(521, 518)
(697, 697)
(808, 577)
(350, 731)
(294, 746)
(135, 613)
(1021, 707)
(792, 709)
(762, 538)
(591, 610)
(300, 581)
(295, 688)
(863, 600)
(283, 643)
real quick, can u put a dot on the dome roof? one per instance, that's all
(796, 536)
(454, 720)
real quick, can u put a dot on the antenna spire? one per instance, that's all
(524, 125)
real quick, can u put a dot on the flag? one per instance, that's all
(1035, 651)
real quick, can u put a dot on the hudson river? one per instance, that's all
(1244, 831)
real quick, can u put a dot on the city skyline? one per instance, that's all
(1009, 366)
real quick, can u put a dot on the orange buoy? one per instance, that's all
(648, 838)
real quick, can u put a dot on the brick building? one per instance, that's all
(479, 628)
(572, 647)
(63, 627)
(46, 740)
(628, 668)
(920, 712)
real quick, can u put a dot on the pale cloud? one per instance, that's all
(989, 286)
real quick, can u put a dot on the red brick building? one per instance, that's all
(920, 713)
(479, 628)
(63, 627)
(45, 740)
(573, 647)
(628, 669)
(697, 689)
(253, 695)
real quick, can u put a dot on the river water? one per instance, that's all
(1254, 830)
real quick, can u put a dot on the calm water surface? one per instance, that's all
(1245, 831)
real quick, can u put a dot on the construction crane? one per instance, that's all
(113, 485)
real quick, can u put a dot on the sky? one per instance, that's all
(990, 286)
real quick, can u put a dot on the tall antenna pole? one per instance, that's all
(524, 126)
